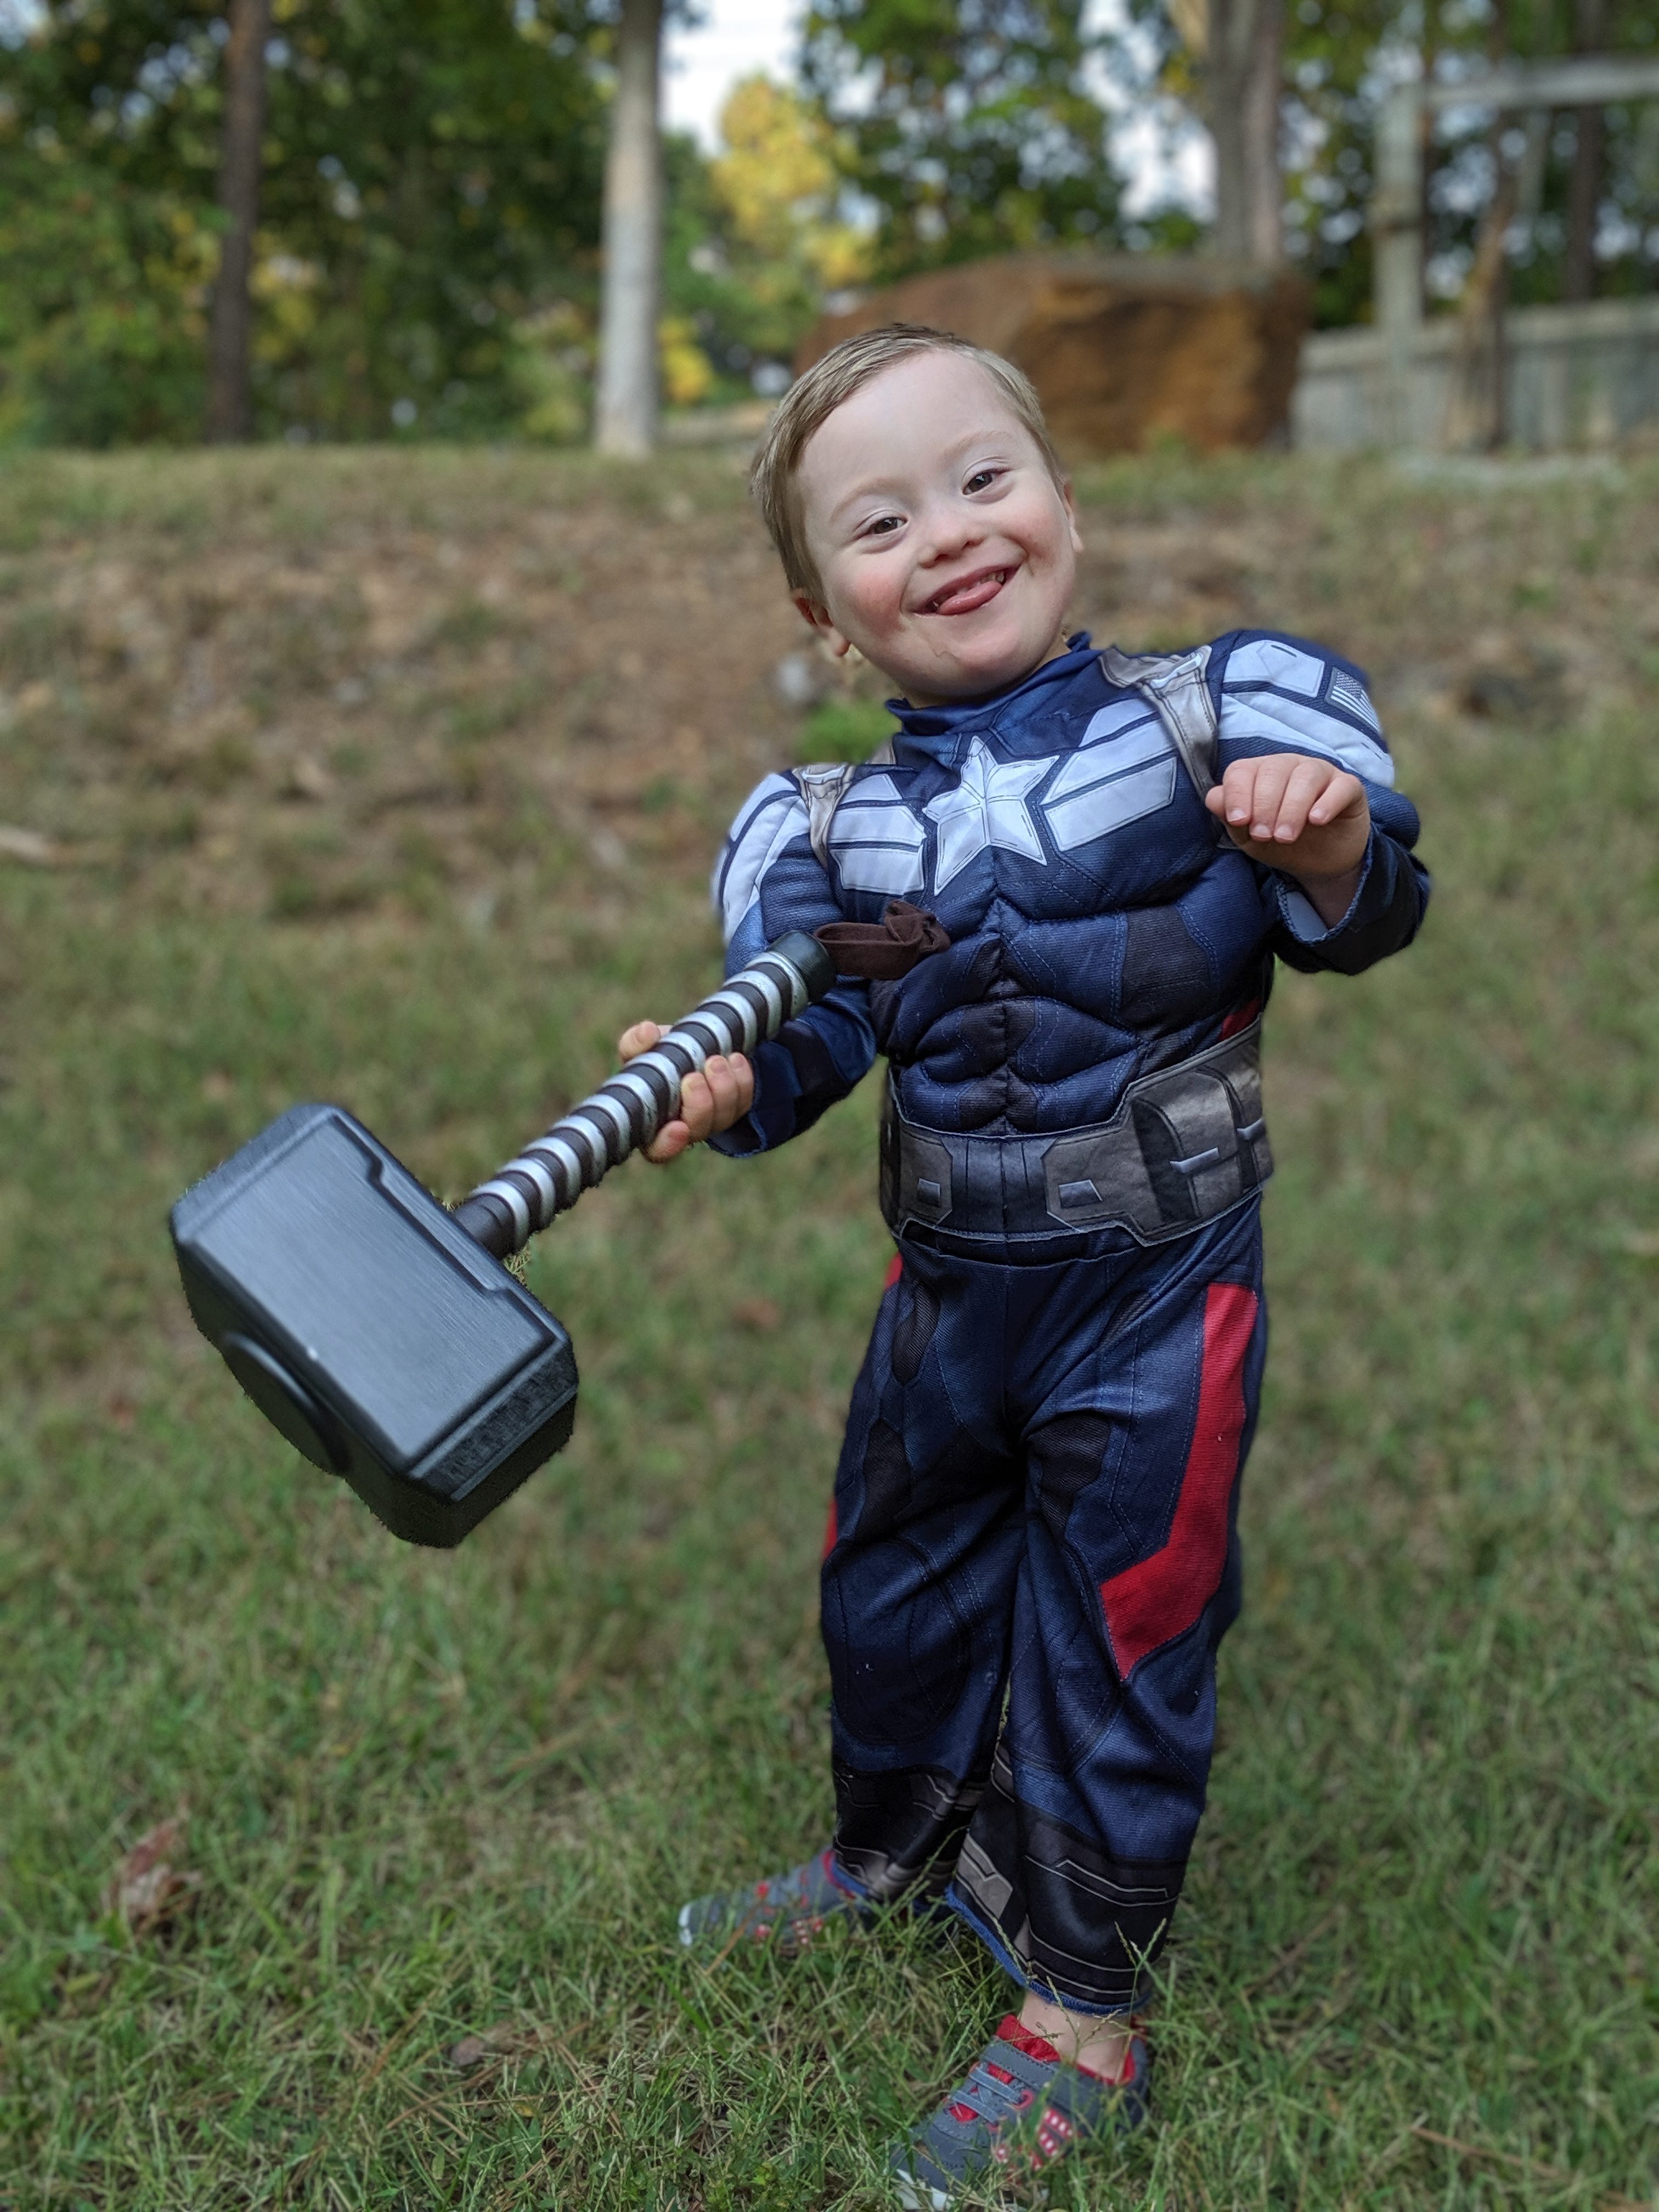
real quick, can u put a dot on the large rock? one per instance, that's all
(1121, 351)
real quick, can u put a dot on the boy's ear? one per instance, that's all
(1071, 513)
(816, 616)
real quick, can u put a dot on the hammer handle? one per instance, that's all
(624, 1113)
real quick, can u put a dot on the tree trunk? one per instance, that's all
(1425, 136)
(1263, 93)
(1476, 414)
(230, 386)
(626, 421)
(1244, 74)
(1588, 165)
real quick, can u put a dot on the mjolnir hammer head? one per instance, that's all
(380, 1332)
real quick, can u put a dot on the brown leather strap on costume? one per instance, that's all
(881, 951)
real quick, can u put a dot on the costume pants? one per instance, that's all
(1033, 1556)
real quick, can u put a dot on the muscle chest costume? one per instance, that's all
(1032, 1554)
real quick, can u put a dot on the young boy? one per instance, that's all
(1032, 1554)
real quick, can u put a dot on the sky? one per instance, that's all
(735, 38)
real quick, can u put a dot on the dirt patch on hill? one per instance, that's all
(312, 685)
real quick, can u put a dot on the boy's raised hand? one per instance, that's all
(710, 1102)
(1291, 811)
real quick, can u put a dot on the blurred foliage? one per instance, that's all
(756, 237)
(101, 297)
(431, 185)
(1336, 54)
(427, 260)
(777, 179)
(427, 263)
(847, 729)
(687, 375)
(1341, 55)
(970, 126)
(550, 372)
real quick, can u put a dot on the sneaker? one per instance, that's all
(788, 1911)
(1019, 2110)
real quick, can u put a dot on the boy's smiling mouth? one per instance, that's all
(968, 593)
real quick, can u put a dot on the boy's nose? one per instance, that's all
(950, 530)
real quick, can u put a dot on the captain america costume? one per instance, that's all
(1033, 1552)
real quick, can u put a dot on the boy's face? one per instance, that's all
(946, 551)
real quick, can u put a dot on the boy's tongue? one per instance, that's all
(972, 592)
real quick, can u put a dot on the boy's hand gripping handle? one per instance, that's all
(624, 1113)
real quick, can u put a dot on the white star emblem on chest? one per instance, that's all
(987, 807)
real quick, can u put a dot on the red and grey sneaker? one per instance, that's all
(788, 1911)
(1019, 2110)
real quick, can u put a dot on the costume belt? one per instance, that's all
(1185, 1146)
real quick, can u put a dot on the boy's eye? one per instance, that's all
(981, 479)
(882, 526)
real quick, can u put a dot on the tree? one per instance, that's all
(1337, 57)
(969, 125)
(625, 421)
(102, 332)
(1239, 49)
(756, 237)
(750, 242)
(1589, 164)
(430, 186)
(777, 179)
(230, 388)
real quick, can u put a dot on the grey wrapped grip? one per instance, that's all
(624, 1115)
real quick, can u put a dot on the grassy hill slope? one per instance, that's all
(395, 778)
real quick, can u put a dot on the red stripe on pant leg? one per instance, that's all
(895, 1269)
(830, 1530)
(1161, 1597)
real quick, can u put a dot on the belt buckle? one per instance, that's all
(926, 1179)
(918, 1184)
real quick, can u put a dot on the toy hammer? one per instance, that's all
(381, 1333)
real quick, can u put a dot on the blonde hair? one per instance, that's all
(814, 397)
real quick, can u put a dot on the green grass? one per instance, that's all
(844, 730)
(434, 1796)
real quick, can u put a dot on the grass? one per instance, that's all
(844, 730)
(431, 1797)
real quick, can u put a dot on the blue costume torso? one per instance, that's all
(1033, 1550)
(1101, 926)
